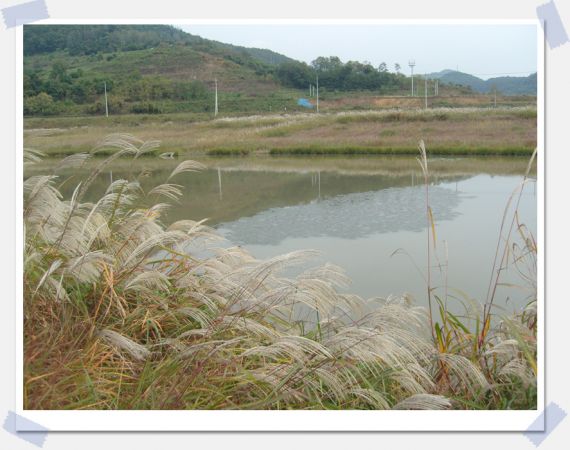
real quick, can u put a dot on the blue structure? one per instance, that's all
(305, 103)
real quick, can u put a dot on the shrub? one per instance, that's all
(41, 104)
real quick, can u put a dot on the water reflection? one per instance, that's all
(356, 211)
(233, 188)
(350, 216)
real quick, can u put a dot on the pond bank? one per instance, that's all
(446, 131)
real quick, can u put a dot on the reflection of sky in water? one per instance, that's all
(349, 216)
(360, 232)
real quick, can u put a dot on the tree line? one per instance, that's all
(91, 39)
(335, 75)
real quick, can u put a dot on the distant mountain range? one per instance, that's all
(503, 85)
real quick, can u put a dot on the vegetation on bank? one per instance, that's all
(123, 312)
(448, 131)
(362, 150)
(323, 150)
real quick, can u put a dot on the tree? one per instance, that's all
(295, 74)
(324, 64)
(397, 67)
(32, 84)
(59, 82)
(383, 67)
(41, 104)
(59, 72)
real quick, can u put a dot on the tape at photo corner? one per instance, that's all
(25, 13)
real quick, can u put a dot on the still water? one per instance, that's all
(365, 214)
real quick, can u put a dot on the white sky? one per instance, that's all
(482, 50)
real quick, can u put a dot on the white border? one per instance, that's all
(192, 420)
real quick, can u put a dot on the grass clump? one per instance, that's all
(247, 122)
(396, 116)
(228, 152)
(124, 312)
(503, 348)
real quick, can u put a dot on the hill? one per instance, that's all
(150, 69)
(92, 39)
(158, 68)
(145, 68)
(504, 85)
(514, 85)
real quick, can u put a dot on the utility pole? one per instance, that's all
(412, 63)
(318, 94)
(425, 88)
(216, 99)
(106, 104)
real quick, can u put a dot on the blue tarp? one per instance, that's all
(304, 103)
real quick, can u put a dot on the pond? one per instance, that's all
(364, 214)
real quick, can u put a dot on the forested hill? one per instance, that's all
(145, 69)
(159, 68)
(92, 39)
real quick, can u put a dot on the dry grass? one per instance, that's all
(121, 312)
(460, 131)
(371, 102)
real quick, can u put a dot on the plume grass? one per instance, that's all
(122, 311)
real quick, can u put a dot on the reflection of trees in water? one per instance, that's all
(245, 193)
(347, 216)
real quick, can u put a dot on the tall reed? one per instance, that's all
(504, 351)
(124, 312)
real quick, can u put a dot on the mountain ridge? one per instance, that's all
(506, 85)
(91, 39)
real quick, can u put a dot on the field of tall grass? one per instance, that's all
(124, 312)
(447, 131)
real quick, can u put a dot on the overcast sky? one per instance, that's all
(482, 50)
